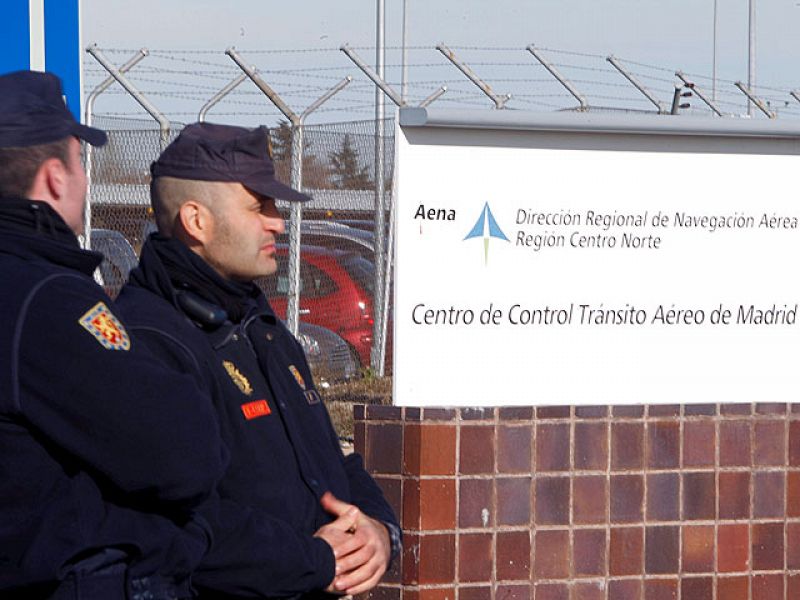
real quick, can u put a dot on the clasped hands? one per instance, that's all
(360, 545)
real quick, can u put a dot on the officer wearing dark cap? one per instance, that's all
(104, 452)
(322, 522)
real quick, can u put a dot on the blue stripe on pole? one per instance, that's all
(62, 48)
(15, 37)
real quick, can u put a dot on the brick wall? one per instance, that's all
(658, 502)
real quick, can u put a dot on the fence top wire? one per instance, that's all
(180, 81)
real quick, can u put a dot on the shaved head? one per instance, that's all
(168, 194)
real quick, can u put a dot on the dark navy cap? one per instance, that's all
(210, 152)
(33, 112)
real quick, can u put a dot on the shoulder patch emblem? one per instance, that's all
(297, 377)
(240, 380)
(105, 327)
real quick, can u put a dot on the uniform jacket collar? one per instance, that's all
(32, 230)
(168, 268)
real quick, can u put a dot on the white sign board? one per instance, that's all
(531, 275)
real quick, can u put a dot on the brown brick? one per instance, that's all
(589, 552)
(663, 445)
(733, 548)
(514, 501)
(767, 587)
(552, 591)
(697, 588)
(591, 412)
(734, 495)
(663, 497)
(767, 546)
(552, 501)
(551, 554)
(590, 590)
(476, 450)
(627, 446)
(626, 496)
(438, 504)
(553, 412)
(770, 440)
(699, 443)
(515, 413)
(698, 549)
(662, 548)
(736, 408)
(448, 593)
(513, 592)
(411, 505)
(392, 491)
(666, 410)
(734, 443)
(475, 503)
(513, 449)
(513, 555)
(628, 411)
(384, 448)
(793, 583)
(475, 592)
(700, 410)
(793, 494)
(552, 447)
(437, 558)
(793, 546)
(410, 558)
(475, 557)
(412, 446)
(625, 589)
(794, 443)
(771, 408)
(589, 499)
(733, 588)
(591, 446)
(769, 495)
(699, 496)
(625, 551)
(437, 450)
(661, 589)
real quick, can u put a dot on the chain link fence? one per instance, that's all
(337, 264)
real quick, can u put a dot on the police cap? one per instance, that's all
(211, 152)
(32, 112)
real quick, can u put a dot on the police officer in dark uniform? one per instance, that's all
(323, 524)
(104, 452)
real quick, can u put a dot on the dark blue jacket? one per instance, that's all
(284, 451)
(96, 435)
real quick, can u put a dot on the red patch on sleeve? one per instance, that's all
(255, 409)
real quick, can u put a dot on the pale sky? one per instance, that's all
(670, 34)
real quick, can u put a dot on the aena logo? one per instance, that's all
(486, 227)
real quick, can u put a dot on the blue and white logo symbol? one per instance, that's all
(486, 227)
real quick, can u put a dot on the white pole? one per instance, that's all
(751, 54)
(714, 58)
(404, 75)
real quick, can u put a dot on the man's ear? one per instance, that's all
(50, 182)
(195, 222)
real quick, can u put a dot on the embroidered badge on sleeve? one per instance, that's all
(105, 327)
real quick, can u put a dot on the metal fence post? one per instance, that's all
(584, 105)
(753, 99)
(88, 118)
(499, 101)
(635, 82)
(383, 254)
(163, 122)
(219, 96)
(698, 93)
